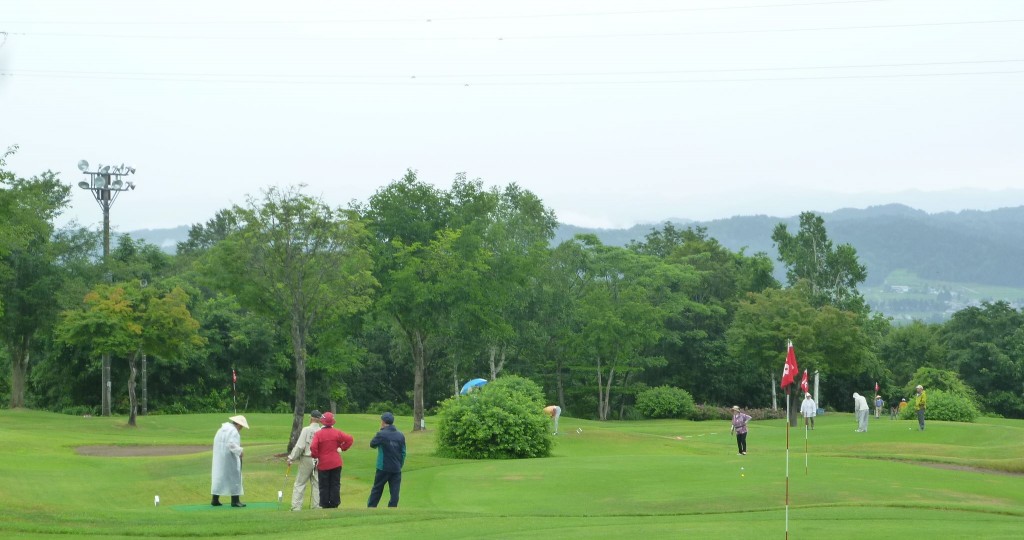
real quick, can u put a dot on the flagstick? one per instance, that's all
(805, 446)
(787, 462)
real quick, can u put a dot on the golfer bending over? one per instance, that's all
(554, 411)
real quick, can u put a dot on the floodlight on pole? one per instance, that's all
(105, 184)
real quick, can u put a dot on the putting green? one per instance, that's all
(259, 506)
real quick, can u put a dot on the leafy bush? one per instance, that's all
(173, 408)
(938, 379)
(705, 412)
(945, 406)
(665, 402)
(715, 413)
(504, 419)
(379, 407)
(80, 410)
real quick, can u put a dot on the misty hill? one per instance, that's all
(972, 246)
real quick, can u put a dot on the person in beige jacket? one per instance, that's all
(306, 474)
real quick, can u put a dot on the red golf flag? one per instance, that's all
(234, 376)
(803, 383)
(876, 387)
(789, 372)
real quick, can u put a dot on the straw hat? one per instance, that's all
(735, 407)
(240, 420)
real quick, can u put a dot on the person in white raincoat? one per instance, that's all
(226, 478)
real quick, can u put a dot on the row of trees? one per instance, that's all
(395, 301)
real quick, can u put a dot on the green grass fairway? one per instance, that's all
(651, 479)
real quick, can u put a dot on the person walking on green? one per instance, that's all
(226, 474)
(390, 445)
(739, 428)
(921, 404)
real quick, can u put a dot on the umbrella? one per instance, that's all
(475, 383)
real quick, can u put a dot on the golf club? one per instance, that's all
(285, 486)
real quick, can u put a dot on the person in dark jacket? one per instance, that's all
(390, 445)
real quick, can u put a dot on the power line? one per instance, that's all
(466, 17)
(247, 76)
(526, 83)
(514, 38)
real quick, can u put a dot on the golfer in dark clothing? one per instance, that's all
(390, 445)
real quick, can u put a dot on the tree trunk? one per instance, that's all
(455, 379)
(794, 406)
(496, 369)
(19, 372)
(144, 405)
(299, 352)
(419, 354)
(133, 404)
(561, 388)
(608, 394)
(622, 398)
(775, 398)
(105, 381)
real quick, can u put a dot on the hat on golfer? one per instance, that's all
(735, 407)
(388, 418)
(240, 420)
(315, 414)
(327, 419)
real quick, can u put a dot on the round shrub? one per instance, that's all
(665, 402)
(944, 406)
(504, 419)
(399, 409)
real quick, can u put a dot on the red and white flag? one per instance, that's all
(234, 377)
(789, 372)
(803, 383)
(876, 387)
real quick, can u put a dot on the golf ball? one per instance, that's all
(741, 468)
(741, 474)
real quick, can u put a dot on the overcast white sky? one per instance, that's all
(612, 112)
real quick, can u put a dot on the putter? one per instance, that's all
(283, 488)
(311, 486)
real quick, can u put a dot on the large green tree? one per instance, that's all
(299, 262)
(695, 339)
(31, 271)
(831, 273)
(621, 312)
(514, 233)
(985, 347)
(430, 261)
(757, 338)
(127, 319)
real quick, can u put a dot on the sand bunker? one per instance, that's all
(139, 451)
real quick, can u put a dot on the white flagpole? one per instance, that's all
(787, 462)
(805, 446)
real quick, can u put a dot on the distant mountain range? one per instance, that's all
(940, 253)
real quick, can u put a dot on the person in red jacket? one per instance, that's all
(325, 448)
